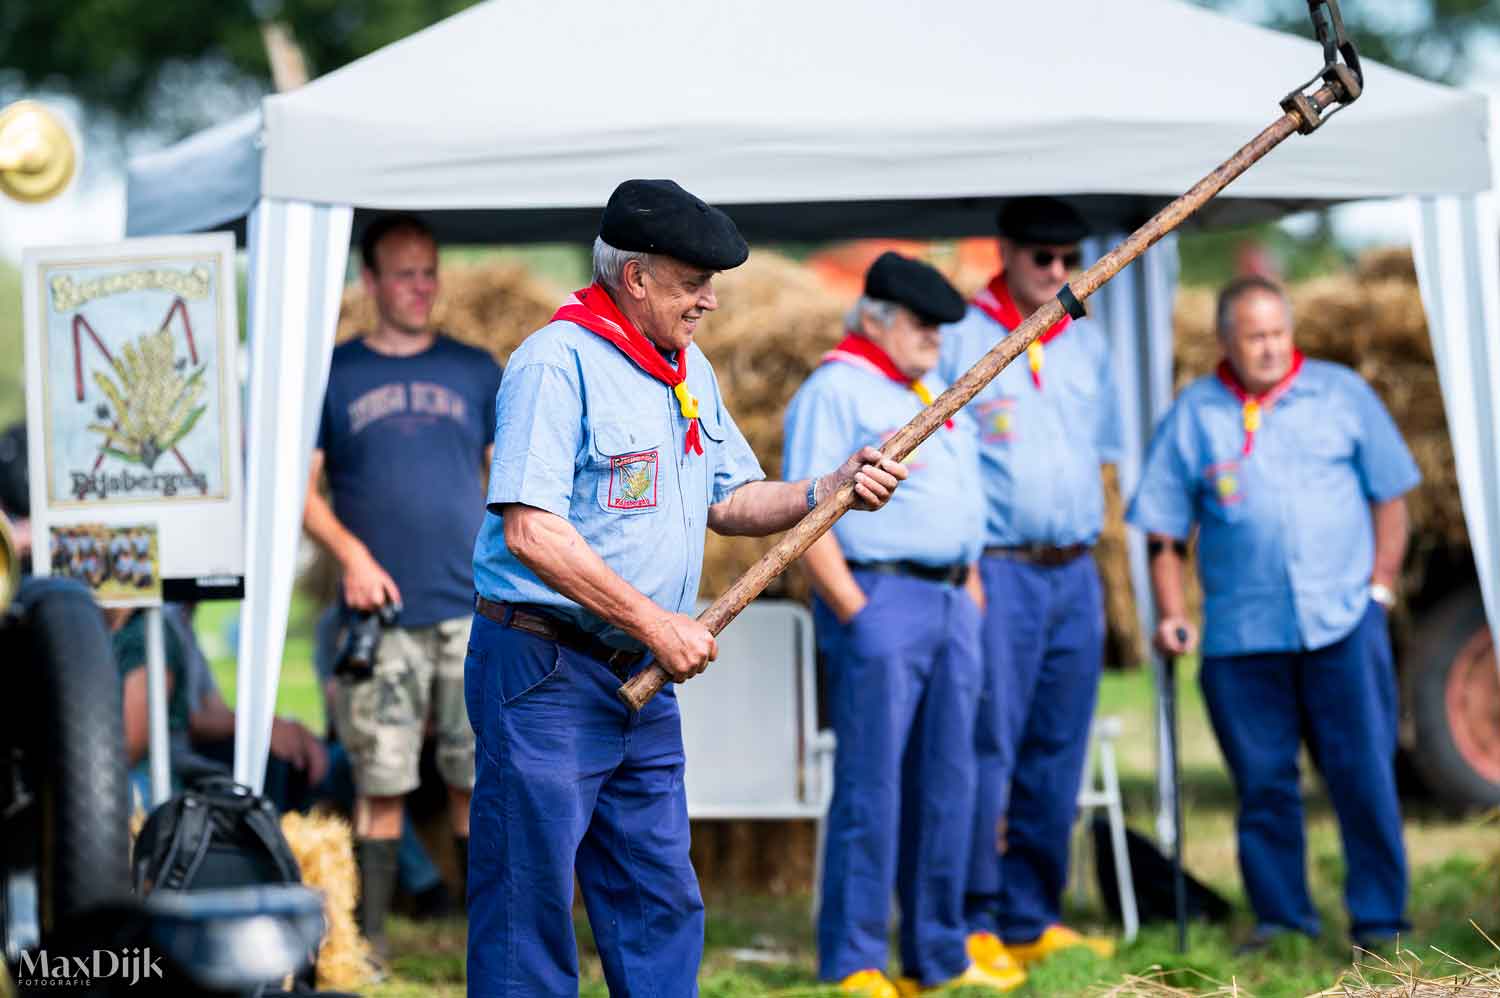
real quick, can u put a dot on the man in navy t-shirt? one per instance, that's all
(405, 441)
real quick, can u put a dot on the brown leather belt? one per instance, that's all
(534, 620)
(1039, 554)
(951, 575)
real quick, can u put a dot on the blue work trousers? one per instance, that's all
(568, 778)
(1043, 651)
(1341, 701)
(903, 677)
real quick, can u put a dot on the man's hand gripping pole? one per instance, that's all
(1338, 84)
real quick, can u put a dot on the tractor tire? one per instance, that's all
(78, 734)
(1453, 700)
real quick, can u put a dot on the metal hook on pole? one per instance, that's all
(1344, 80)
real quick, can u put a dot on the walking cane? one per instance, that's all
(1169, 717)
(1302, 112)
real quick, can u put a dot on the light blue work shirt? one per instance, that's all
(582, 432)
(936, 517)
(1040, 448)
(1285, 539)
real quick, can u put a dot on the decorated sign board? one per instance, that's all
(132, 406)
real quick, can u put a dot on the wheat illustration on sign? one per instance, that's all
(154, 397)
(636, 481)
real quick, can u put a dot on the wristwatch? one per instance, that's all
(1383, 594)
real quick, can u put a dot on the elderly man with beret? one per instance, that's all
(613, 453)
(1293, 475)
(896, 604)
(1045, 426)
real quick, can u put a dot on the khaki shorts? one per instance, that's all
(381, 720)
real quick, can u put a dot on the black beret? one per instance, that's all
(1041, 221)
(916, 285)
(658, 216)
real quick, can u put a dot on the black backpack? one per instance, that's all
(215, 834)
(1151, 873)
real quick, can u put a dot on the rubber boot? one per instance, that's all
(377, 887)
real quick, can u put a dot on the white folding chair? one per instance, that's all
(1101, 788)
(750, 722)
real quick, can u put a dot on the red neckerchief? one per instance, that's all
(855, 349)
(592, 308)
(995, 301)
(1252, 407)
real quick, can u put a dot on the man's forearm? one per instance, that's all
(1166, 578)
(324, 527)
(830, 577)
(974, 584)
(554, 549)
(212, 720)
(1391, 534)
(759, 508)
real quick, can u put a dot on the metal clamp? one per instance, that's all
(1070, 303)
(1345, 80)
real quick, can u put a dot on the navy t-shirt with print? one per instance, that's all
(403, 440)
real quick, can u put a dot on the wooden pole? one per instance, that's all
(645, 684)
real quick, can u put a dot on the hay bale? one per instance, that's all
(767, 857)
(775, 321)
(492, 306)
(324, 847)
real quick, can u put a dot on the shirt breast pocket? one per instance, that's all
(709, 425)
(714, 434)
(1326, 442)
(996, 420)
(1080, 384)
(628, 464)
(1224, 491)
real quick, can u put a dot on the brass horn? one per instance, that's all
(37, 154)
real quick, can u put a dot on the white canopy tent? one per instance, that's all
(513, 121)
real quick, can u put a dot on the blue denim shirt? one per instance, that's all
(1285, 539)
(1040, 449)
(937, 515)
(582, 432)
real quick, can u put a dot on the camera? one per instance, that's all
(359, 640)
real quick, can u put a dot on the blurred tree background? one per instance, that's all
(142, 61)
(163, 65)
(148, 72)
(1435, 39)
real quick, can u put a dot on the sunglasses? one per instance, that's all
(1044, 257)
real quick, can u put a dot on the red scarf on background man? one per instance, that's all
(855, 349)
(592, 308)
(995, 301)
(1253, 407)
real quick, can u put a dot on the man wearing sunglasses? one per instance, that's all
(1045, 426)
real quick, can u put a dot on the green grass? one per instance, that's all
(763, 945)
(12, 368)
(297, 696)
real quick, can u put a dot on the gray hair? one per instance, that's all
(1239, 288)
(609, 263)
(879, 312)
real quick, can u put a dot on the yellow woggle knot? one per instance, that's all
(686, 400)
